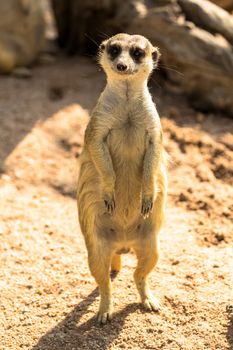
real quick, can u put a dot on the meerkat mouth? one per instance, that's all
(125, 73)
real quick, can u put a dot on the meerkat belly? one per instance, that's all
(127, 148)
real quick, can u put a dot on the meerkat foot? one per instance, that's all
(104, 315)
(109, 201)
(147, 206)
(151, 303)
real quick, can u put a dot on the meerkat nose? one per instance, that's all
(121, 67)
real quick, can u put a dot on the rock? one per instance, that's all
(83, 25)
(21, 33)
(226, 4)
(220, 237)
(22, 72)
(208, 16)
(204, 62)
(183, 197)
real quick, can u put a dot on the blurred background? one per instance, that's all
(49, 82)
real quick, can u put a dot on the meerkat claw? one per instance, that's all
(109, 203)
(147, 206)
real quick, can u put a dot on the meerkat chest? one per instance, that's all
(127, 136)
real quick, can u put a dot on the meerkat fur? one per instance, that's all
(122, 182)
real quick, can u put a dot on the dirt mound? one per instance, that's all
(48, 154)
(201, 178)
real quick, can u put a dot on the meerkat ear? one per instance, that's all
(155, 54)
(102, 45)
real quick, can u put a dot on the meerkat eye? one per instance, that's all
(114, 51)
(137, 53)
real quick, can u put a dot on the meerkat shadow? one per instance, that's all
(71, 334)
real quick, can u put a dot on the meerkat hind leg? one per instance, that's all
(147, 255)
(99, 263)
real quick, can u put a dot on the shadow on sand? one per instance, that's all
(230, 326)
(69, 335)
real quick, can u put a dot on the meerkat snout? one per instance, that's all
(121, 67)
(127, 56)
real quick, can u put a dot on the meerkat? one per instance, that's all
(122, 183)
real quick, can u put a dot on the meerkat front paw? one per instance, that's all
(147, 206)
(109, 201)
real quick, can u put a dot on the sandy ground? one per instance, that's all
(48, 297)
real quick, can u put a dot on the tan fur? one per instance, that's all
(123, 173)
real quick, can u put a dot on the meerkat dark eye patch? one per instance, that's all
(137, 53)
(114, 51)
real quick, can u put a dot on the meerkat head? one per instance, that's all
(125, 56)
